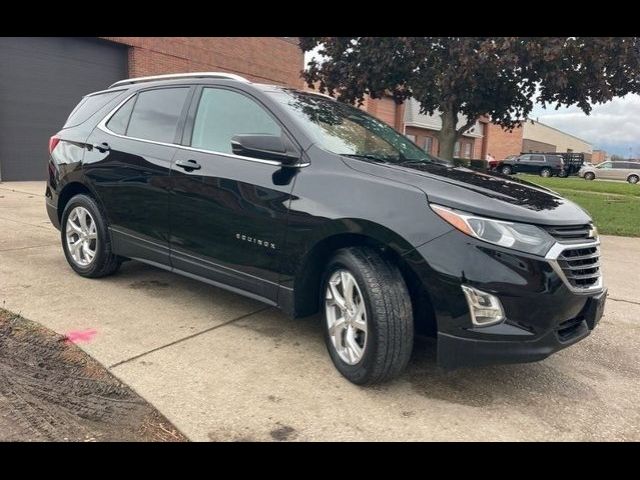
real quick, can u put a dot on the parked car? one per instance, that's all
(629, 171)
(309, 204)
(544, 165)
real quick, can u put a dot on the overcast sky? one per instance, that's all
(612, 126)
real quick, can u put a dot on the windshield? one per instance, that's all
(346, 130)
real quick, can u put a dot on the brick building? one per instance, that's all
(74, 67)
(598, 156)
(261, 59)
(44, 78)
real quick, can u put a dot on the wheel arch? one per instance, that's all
(69, 191)
(355, 233)
(633, 174)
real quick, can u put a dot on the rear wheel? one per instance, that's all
(589, 176)
(633, 179)
(85, 239)
(506, 169)
(545, 172)
(368, 319)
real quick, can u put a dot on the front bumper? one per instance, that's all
(455, 351)
(543, 313)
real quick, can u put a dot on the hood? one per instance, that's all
(483, 193)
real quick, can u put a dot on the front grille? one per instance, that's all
(581, 266)
(571, 233)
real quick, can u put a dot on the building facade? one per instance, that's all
(599, 156)
(33, 110)
(43, 79)
(545, 136)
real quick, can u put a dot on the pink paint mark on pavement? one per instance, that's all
(79, 336)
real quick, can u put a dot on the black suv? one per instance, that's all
(544, 165)
(309, 204)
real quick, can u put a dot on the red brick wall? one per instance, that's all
(421, 134)
(261, 59)
(598, 156)
(501, 143)
(386, 110)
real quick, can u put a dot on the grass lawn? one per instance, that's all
(614, 206)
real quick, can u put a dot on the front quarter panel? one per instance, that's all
(329, 198)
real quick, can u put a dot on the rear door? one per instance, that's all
(129, 164)
(228, 212)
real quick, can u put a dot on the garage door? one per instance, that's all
(41, 80)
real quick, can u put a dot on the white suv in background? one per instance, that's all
(629, 171)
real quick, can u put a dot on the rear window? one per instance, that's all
(156, 114)
(88, 106)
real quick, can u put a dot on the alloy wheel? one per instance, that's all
(346, 316)
(82, 237)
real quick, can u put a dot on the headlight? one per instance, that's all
(518, 236)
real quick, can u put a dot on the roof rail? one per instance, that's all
(175, 76)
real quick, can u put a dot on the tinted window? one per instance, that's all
(634, 165)
(156, 114)
(346, 130)
(537, 158)
(119, 121)
(222, 114)
(88, 106)
(525, 158)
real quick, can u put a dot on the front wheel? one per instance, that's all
(589, 176)
(506, 170)
(633, 179)
(368, 318)
(545, 172)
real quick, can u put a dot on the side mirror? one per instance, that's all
(265, 147)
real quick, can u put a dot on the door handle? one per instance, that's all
(188, 165)
(103, 147)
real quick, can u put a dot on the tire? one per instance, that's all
(104, 262)
(589, 176)
(386, 347)
(633, 179)
(563, 174)
(506, 170)
(545, 172)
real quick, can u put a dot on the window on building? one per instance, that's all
(411, 137)
(223, 114)
(456, 150)
(467, 150)
(428, 144)
(156, 114)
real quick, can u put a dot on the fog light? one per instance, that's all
(485, 308)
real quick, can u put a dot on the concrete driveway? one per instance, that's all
(222, 367)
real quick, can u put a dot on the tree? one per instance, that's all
(473, 76)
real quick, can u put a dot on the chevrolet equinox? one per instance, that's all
(309, 204)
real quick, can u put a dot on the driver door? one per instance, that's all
(228, 213)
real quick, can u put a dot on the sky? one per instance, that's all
(613, 126)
